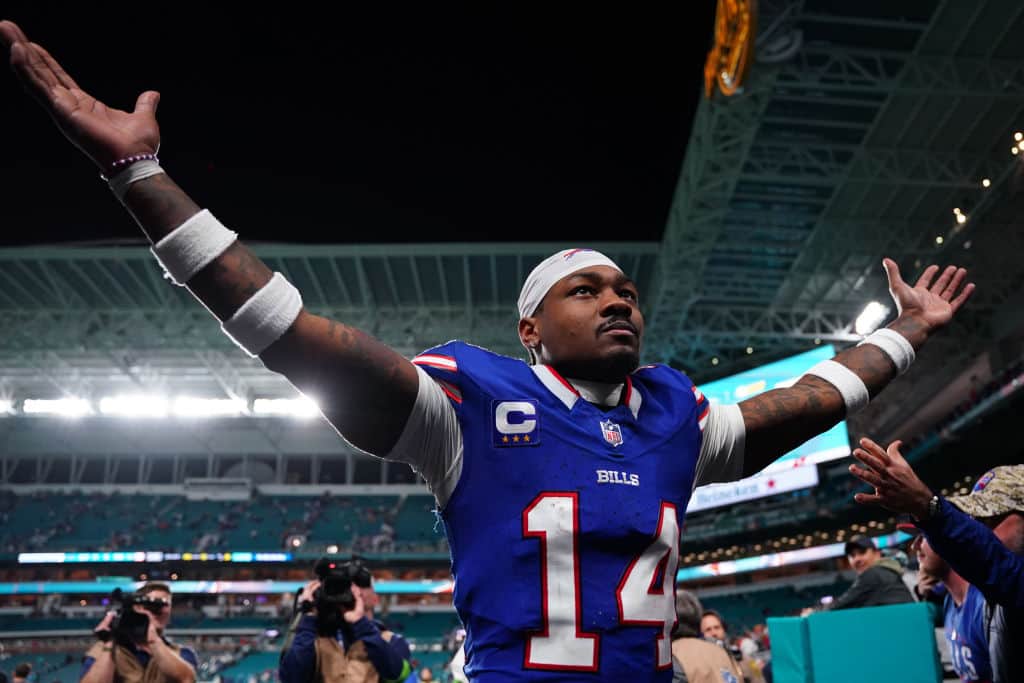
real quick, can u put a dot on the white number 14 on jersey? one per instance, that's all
(553, 518)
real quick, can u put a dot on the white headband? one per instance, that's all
(554, 268)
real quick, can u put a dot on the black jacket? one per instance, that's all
(879, 585)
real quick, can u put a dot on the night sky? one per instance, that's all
(477, 124)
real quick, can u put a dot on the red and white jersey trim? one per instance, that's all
(633, 398)
(437, 361)
(567, 393)
(703, 419)
(556, 384)
(450, 390)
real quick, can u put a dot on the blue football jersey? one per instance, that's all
(564, 525)
(967, 637)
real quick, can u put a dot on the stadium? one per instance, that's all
(140, 444)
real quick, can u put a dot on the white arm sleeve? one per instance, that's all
(431, 442)
(721, 449)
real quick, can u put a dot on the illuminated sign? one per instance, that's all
(733, 50)
(835, 443)
(717, 495)
(789, 557)
(210, 587)
(150, 556)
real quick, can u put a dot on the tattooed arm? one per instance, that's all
(321, 357)
(780, 420)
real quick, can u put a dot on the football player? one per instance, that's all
(562, 482)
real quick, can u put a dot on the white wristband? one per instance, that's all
(265, 317)
(851, 387)
(120, 183)
(192, 245)
(894, 345)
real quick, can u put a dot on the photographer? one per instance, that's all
(334, 638)
(132, 647)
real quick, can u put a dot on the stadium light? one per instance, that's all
(189, 406)
(134, 405)
(870, 318)
(939, 239)
(1018, 136)
(293, 407)
(64, 407)
(985, 182)
(961, 218)
(6, 406)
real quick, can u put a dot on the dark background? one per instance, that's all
(401, 125)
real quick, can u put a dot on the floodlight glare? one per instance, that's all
(290, 407)
(190, 406)
(870, 318)
(65, 407)
(134, 405)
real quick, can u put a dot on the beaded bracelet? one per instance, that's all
(124, 163)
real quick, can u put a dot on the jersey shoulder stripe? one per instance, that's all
(438, 361)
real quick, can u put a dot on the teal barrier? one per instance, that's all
(791, 650)
(892, 643)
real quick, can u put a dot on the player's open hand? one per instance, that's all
(897, 486)
(932, 301)
(104, 134)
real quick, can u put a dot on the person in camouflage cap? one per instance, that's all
(980, 535)
(998, 492)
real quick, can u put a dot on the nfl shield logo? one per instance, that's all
(612, 432)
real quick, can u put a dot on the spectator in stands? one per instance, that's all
(712, 626)
(156, 661)
(879, 579)
(696, 659)
(323, 648)
(22, 672)
(980, 535)
(963, 615)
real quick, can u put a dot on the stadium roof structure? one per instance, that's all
(863, 130)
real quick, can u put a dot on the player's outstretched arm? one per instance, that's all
(780, 420)
(365, 389)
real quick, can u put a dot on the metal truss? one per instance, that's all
(829, 164)
(766, 220)
(723, 132)
(836, 71)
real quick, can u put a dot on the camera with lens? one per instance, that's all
(334, 596)
(336, 579)
(130, 626)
